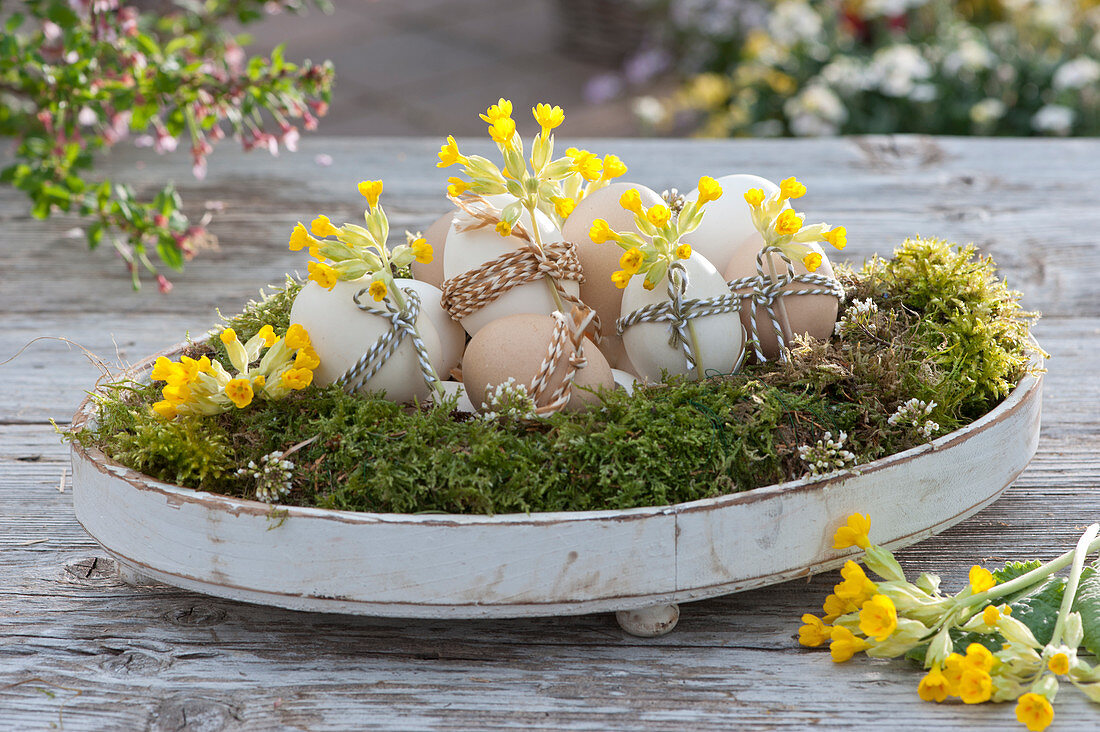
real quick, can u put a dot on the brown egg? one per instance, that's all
(599, 260)
(436, 236)
(515, 346)
(807, 314)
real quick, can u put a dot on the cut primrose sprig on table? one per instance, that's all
(973, 644)
(204, 386)
(785, 229)
(656, 244)
(538, 182)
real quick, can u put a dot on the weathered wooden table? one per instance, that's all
(80, 650)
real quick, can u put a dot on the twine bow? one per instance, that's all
(402, 325)
(569, 331)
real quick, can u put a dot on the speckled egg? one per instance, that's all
(727, 222)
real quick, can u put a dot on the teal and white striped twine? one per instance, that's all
(402, 325)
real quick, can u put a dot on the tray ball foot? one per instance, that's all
(649, 622)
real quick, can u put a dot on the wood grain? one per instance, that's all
(156, 658)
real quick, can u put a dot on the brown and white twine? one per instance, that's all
(566, 344)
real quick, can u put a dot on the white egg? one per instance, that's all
(341, 333)
(436, 236)
(463, 403)
(467, 250)
(624, 380)
(719, 339)
(727, 222)
(451, 335)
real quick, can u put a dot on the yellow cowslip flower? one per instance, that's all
(239, 392)
(422, 250)
(165, 409)
(299, 238)
(648, 285)
(813, 633)
(456, 186)
(259, 381)
(979, 657)
(835, 606)
(307, 358)
(787, 223)
(377, 290)
(754, 196)
(879, 618)
(837, 236)
(613, 167)
(981, 579)
(621, 278)
(321, 226)
(710, 190)
(934, 686)
(1034, 711)
(564, 206)
(297, 379)
(169, 371)
(975, 686)
(631, 200)
(991, 615)
(323, 275)
(268, 334)
(791, 188)
(449, 154)
(500, 110)
(812, 260)
(371, 190)
(631, 260)
(548, 117)
(845, 644)
(587, 164)
(228, 336)
(683, 251)
(856, 586)
(503, 228)
(1059, 664)
(600, 232)
(658, 214)
(502, 130)
(953, 667)
(296, 337)
(854, 533)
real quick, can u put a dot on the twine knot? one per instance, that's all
(402, 325)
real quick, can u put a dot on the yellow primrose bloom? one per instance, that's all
(812, 260)
(165, 409)
(167, 370)
(176, 393)
(620, 278)
(613, 167)
(548, 117)
(953, 667)
(239, 392)
(268, 334)
(791, 188)
(631, 200)
(307, 358)
(837, 236)
(975, 686)
(683, 251)
(981, 579)
(754, 196)
(449, 154)
(299, 238)
(502, 130)
(587, 164)
(323, 275)
(600, 232)
(1058, 664)
(845, 644)
(813, 633)
(878, 618)
(710, 190)
(228, 336)
(658, 214)
(297, 337)
(787, 223)
(856, 586)
(503, 228)
(648, 285)
(456, 186)
(934, 686)
(564, 207)
(979, 657)
(371, 190)
(259, 381)
(297, 379)
(321, 226)
(854, 533)
(631, 261)
(835, 606)
(991, 615)
(422, 250)
(1034, 712)
(500, 110)
(377, 290)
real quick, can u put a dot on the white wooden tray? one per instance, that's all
(640, 562)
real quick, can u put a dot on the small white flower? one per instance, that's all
(272, 476)
(816, 111)
(913, 414)
(1054, 119)
(649, 110)
(827, 455)
(859, 316)
(970, 55)
(845, 74)
(897, 69)
(507, 399)
(987, 111)
(1076, 74)
(793, 21)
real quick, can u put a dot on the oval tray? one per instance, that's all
(567, 563)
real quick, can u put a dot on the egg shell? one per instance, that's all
(807, 314)
(462, 404)
(720, 337)
(467, 250)
(341, 333)
(452, 337)
(624, 380)
(515, 346)
(599, 261)
(727, 222)
(436, 236)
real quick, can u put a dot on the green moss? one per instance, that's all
(945, 330)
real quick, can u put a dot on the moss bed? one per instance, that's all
(946, 330)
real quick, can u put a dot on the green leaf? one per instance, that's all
(14, 22)
(170, 252)
(1087, 603)
(95, 234)
(1012, 570)
(1038, 610)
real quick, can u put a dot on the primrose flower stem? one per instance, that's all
(1079, 555)
(1027, 580)
(550, 280)
(399, 300)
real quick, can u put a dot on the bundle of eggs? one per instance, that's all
(508, 339)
